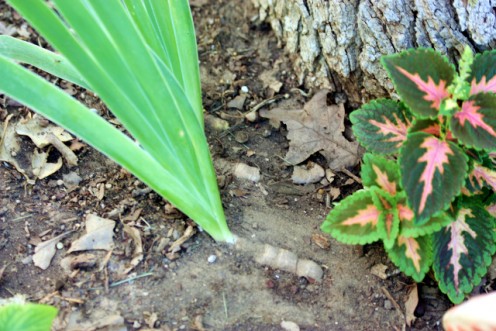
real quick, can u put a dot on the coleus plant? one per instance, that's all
(429, 174)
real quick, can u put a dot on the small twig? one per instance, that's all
(21, 217)
(390, 297)
(305, 94)
(130, 279)
(266, 102)
(70, 300)
(225, 304)
(349, 173)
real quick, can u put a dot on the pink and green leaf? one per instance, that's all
(481, 176)
(380, 172)
(483, 75)
(390, 224)
(355, 220)
(430, 126)
(463, 250)
(421, 78)
(433, 173)
(381, 125)
(408, 228)
(474, 124)
(413, 256)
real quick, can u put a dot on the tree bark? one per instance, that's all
(337, 44)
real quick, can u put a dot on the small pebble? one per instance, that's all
(60, 245)
(388, 305)
(251, 116)
(290, 326)
(244, 89)
(212, 258)
(241, 137)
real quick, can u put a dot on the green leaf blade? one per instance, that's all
(54, 104)
(55, 64)
(26, 317)
(421, 78)
(433, 173)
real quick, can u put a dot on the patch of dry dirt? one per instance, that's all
(183, 290)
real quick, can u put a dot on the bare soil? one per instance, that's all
(186, 290)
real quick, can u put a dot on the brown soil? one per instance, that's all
(184, 291)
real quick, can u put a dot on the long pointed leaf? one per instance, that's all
(60, 108)
(55, 64)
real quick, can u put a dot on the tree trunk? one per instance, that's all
(337, 44)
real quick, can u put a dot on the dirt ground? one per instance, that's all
(186, 289)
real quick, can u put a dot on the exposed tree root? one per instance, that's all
(279, 258)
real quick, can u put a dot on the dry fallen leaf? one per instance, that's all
(42, 133)
(100, 319)
(37, 128)
(99, 233)
(176, 245)
(317, 127)
(45, 251)
(32, 163)
(41, 167)
(379, 270)
(138, 247)
(411, 304)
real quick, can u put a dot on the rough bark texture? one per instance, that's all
(337, 44)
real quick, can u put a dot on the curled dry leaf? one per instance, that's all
(38, 129)
(41, 167)
(10, 150)
(32, 163)
(411, 304)
(317, 127)
(176, 245)
(99, 233)
(43, 134)
(138, 247)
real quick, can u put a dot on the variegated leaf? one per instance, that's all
(433, 173)
(381, 125)
(408, 228)
(355, 219)
(421, 78)
(412, 255)
(430, 126)
(390, 225)
(381, 172)
(480, 176)
(463, 250)
(483, 75)
(475, 123)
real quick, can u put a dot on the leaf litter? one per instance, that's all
(317, 127)
(33, 163)
(99, 235)
(45, 251)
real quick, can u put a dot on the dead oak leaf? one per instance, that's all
(317, 127)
